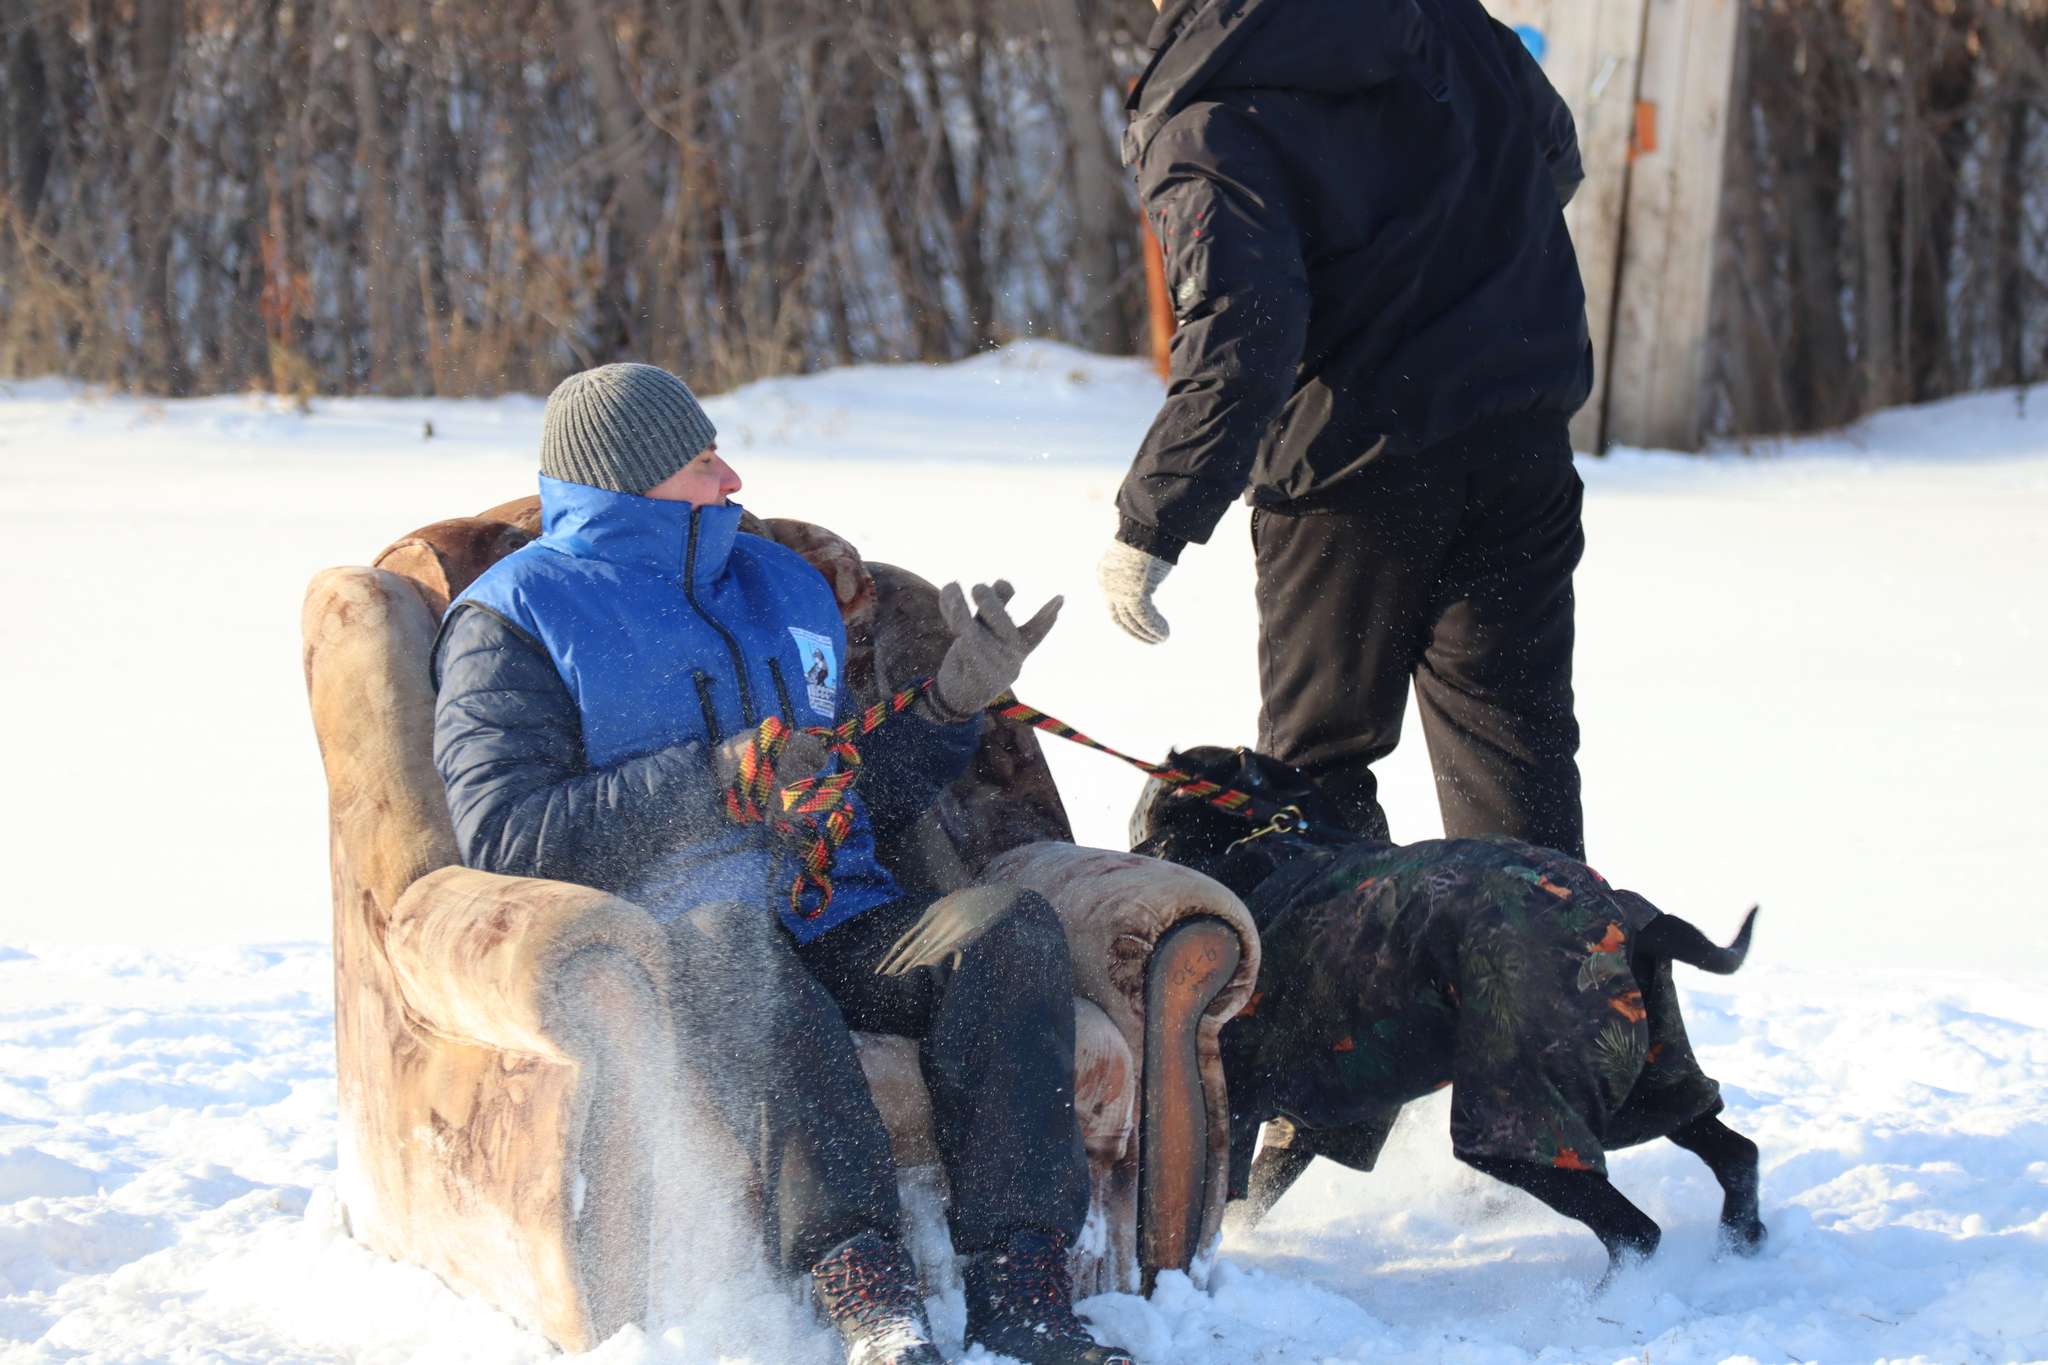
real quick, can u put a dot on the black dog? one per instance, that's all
(1515, 975)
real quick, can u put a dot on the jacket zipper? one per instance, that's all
(710, 712)
(782, 690)
(739, 660)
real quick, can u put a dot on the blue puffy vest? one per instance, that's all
(669, 626)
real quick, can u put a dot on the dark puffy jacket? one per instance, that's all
(584, 678)
(1360, 205)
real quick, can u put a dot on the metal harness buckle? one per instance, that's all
(1285, 821)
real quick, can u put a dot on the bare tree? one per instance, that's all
(1887, 220)
(348, 196)
(382, 196)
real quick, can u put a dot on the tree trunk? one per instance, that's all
(622, 188)
(27, 148)
(1942, 143)
(1876, 182)
(153, 222)
(386, 365)
(1102, 212)
(2008, 265)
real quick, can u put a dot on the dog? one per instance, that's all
(1516, 976)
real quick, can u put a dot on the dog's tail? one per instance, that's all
(1669, 936)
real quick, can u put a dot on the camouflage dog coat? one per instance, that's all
(1496, 968)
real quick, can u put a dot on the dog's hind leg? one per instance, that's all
(1733, 1160)
(1626, 1231)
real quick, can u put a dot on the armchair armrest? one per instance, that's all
(368, 647)
(1116, 907)
(512, 1090)
(478, 957)
(1170, 955)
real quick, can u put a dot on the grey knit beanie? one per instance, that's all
(622, 427)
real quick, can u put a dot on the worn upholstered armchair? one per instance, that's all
(512, 1094)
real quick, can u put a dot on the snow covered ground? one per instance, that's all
(1810, 676)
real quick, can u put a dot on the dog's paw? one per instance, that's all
(1745, 1237)
(1625, 1254)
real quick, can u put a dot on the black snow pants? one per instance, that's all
(1464, 585)
(768, 1020)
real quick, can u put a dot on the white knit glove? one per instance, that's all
(1129, 577)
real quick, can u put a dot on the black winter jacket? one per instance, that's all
(1360, 206)
(527, 804)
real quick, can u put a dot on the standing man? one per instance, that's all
(1382, 340)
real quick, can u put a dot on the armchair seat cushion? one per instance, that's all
(1105, 1090)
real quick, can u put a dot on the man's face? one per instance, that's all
(706, 481)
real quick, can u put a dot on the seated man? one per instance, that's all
(616, 701)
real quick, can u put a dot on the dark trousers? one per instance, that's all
(1463, 585)
(768, 1022)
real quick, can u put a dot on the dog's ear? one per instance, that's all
(1145, 815)
(1203, 760)
(1286, 785)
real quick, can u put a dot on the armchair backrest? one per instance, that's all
(368, 641)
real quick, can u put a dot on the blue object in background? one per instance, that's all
(1533, 39)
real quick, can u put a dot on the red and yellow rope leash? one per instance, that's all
(1215, 793)
(812, 815)
(814, 818)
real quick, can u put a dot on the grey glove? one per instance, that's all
(948, 929)
(987, 652)
(802, 755)
(1129, 577)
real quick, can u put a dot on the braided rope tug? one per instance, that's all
(812, 816)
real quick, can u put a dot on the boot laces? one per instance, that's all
(1032, 1287)
(869, 1286)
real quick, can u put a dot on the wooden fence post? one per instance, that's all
(1648, 82)
(1592, 56)
(1657, 359)
(1161, 323)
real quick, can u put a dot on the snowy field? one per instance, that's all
(1810, 676)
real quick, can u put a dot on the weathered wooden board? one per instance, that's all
(1657, 367)
(1649, 83)
(1591, 54)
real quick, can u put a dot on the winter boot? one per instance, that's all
(1020, 1303)
(867, 1286)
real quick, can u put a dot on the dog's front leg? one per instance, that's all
(1629, 1234)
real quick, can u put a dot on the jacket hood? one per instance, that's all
(645, 533)
(1328, 47)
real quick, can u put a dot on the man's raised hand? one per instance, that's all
(988, 650)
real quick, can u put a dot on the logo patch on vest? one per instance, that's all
(821, 670)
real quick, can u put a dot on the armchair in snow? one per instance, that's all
(514, 1097)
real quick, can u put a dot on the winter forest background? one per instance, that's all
(409, 198)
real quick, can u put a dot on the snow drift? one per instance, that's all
(1809, 676)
